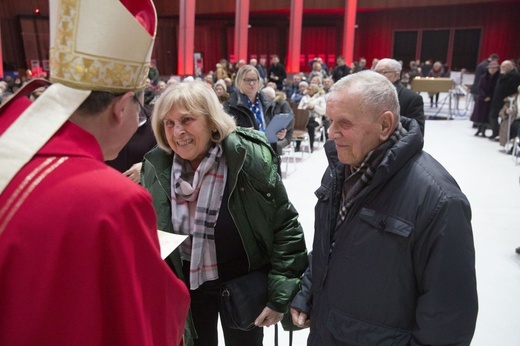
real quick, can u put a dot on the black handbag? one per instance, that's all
(243, 299)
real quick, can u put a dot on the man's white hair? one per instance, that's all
(376, 93)
(393, 65)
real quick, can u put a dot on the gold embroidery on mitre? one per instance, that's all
(86, 71)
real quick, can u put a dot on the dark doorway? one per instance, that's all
(435, 45)
(405, 46)
(465, 49)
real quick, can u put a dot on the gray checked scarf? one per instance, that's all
(196, 200)
(357, 180)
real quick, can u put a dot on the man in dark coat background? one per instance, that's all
(277, 73)
(411, 103)
(508, 82)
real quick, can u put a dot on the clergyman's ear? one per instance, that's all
(119, 105)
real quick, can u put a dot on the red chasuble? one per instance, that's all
(79, 253)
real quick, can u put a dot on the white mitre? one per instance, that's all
(103, 45)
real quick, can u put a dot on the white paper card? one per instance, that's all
(169, 242)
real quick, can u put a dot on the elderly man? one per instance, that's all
(293, 87)
(410, 103)
(507, 83)
(393, 258)
(79, 253)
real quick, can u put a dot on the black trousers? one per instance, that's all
(205, 307)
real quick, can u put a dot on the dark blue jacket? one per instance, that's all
(402, 271)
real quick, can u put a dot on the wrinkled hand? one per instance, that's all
(281, 134)
(268, 317)
(299, 318)
(134, 172)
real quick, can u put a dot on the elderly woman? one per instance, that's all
(281, 105)
(314, 101)
(220, 90)
(218, 184)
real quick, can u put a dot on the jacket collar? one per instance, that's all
(395, 158)
(162, 162)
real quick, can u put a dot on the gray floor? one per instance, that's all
(490, 180)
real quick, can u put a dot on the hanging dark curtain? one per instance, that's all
(165, 48)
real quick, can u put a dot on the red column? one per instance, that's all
(349, 30)
(295, 37)
(186, 37)
(241, 29)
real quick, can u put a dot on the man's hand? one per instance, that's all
(299, 318)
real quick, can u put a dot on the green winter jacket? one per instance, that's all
(258, 203)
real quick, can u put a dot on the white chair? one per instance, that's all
(288, 157)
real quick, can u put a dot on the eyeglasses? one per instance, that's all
(143, 113)
(251, 80)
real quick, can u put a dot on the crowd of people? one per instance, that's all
(392, 261)
(496, 91)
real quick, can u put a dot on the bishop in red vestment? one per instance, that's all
(79, 252)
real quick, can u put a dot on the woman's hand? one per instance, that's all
(268, 317)
(134, 172)
(281, 134)
(299, 318)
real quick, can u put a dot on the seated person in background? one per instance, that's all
(302, 90)
(410, 103)
(293, 87)
(271, 84)
(509, 111)
(317, 70)
(437, 71)
(327, 84)
(316, 80)
(281, 106)
(220, 90)
(315, 102)
(229, 85)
